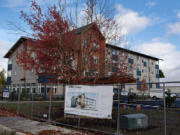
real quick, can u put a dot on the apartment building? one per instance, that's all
(18, 78)
(141, 66)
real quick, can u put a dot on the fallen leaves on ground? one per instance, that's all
(53, 132)
(6, 113)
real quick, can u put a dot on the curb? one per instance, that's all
(4, 129)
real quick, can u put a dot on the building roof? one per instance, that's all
(21, 39)
(83, 28)
(15, 46)
(133, 52)
(77, 31)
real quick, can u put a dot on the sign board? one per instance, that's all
(6, 93)
(89, 101)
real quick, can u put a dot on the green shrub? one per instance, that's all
(169, 99)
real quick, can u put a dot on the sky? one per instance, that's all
(150, 26)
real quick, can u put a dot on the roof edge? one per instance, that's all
(22, 38)
(134, 52)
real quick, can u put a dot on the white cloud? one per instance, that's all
(173, 28)
(166, 51)
(131, 21)
(4, 47)
(178, 15)
(150, 4)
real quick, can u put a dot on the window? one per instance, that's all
(145, 63)
(157, 62)
(150, 69)
(108, 51)
(96, 60)
(151, 62)
(114, 69)
(85, 44)
(130, 67)
(86, 73)
(130, 56)
(115, 52)
(95, 45)
(33, 54)
(150, 79)
(115, 57)
(138, 73)
(137, 58)
(130, 60)
(157, 71)
(42, 90)
(145, 78)
(138, 67)
(34, 90)
(145, 69)
(157, 79)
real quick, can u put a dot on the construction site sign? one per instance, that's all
(5, 93)
(89, 101)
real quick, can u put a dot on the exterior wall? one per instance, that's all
(60, 90)
(31, 79)
(98, 39)
(18, 73)
(142, 68)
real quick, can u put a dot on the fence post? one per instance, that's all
(45, 91)
(164, 98)
(19, 96)
(79, 121)
(49, 113)
(118, 118)
(32, 100)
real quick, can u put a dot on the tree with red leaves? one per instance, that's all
(52, 48)
(55, 50)
(144, 86)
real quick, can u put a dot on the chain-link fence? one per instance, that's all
(138, 109)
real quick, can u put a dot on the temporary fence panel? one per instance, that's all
(163, 113)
